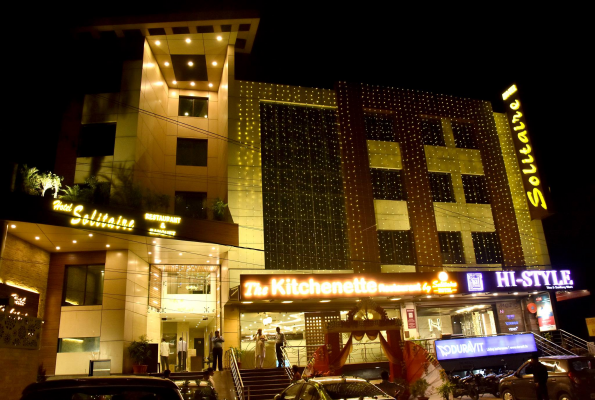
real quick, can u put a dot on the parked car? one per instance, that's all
(569, 378)
(332, 388)
(105, 388)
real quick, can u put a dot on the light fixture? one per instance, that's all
(247, 302)
(395, 298)
(325, 301)
(74, 241)
(495, 294)
(36, 237)
(212, 248)
(180, 253)
(157, 261)
(452, 295)
(535, 292)
(154, 241)
(429, 297)
(186, 114)
(210, 85)
(206, 116)
(107, 245)
(166, 64)
(515, 293)
(192, 84)
(208, 261)
(188, 40)
(287, 301)
(175, 83)
(219, 38)
(13, 226)
(157, 42)
(214, 63)
(210, 255)
(57, 247)
(90, 235)
(150, 253)
(190, 63)
(474, 294)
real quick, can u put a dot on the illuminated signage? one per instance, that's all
(525, 156)
(95, 219)
(545, 313)
(475, 282)
(263, 287)
(550, 279)
(23, 302)
(162, 220)
(455, 349)
(19, 301)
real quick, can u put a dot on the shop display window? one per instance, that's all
(83, 285)
(78, 345)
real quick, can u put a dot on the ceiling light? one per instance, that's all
(192, 83)
(166, 64)
(395, 298)
(219, 38)
(188, 40)
(210, 85)
(429, 297)
(157, 261)
(36, 237)
(474, 294)
(247, 302)
(57, 247)
(212, 248)
(452, 295)
(186, 114)
(157, 42)
(190, 63)
(74, 241)
(175, 83)
(208, 261)
(90, 235)
(150, 252)
(515, 293)
(325, 301)
(214, 63)
(180, 253)
(287, 301)
(107, 245)
(535, 292)
(495, 294)
(210, 255)
(154, 241)
(13, 226)
(206, 116)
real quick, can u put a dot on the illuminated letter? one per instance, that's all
(118, 223)
(356, 285)
(515, 105)
(337, 288)
(131, 225)
(516, 117)
(523, 136)
(371, 286)
(532, 170)
(527, 281)
(546, 277)
(76, 213)
(348, 287)
(249, 286)
(277, 286)
(294, 288)
(566, 277)
(536, 197)
(326, 288)
(111, 222)
(314, 285)
(93, 217)
(303, 288)
(86, 219)
(502, 279)
(104, 219)
(534, 181)
(526, 150)
(527, 160)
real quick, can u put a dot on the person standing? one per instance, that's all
(279, 342)
(259, 352)
(164, 353)
(539, 377)
(217, 351)
(182, 349)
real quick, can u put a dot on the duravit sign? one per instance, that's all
(455, 349)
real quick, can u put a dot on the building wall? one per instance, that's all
(18, 368)
(26, 266)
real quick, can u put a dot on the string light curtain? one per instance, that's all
(475, 188)
(451, 247)
(442, 190)
(380, 128)
(387, 184)
(487, 247)
(464, 134)
(303, 202)
(396, 247)
(431, 132)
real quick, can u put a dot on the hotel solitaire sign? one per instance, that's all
(97, 219)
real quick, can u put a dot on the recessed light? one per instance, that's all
(150, 253)
(186, 114)
(13, 226)
(36, 237)
(210, 85)
(287, 301)
(190, 63)
(175, 83)
(535, 292)
(208, 261)
(180, 253)
(154, 241)
(157, 261)
(495, 294)
(57, 247)
(157, 42)
(212, 248)
(206, 116)
(166, 64)
(210, 255)
(192, 83)
(214, 63)
(429, 297)
(474, 294)
(188, 40)
(107, 245)
(90, 235)
(515, 293)
(325, 301)
(219, 38)
(452, 295)
(247, 302)
(74, 241)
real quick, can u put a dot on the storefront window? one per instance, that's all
(188, 283)
(78, 345)
(83, 285)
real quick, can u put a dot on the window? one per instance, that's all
(387, 184)
(83, 285)
(292, 392)
(96, 140)
(487, 247)
(431, 132)
(194, 107)
(441, 188)
(464, 134)
(396, 247)
(451, 247)
(188, 283)
(476, 189)
(192, 152)
(379, 128)
(78, 345)
(191, 204)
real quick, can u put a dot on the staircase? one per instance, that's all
(263, 384)
(550, 348)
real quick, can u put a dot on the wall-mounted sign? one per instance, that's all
(505, 281)
(454, 349)
(163, 220)
(270, 287)
(545, 313)
(22, 302)
(535, 192)
(510, 317)
(411, 318)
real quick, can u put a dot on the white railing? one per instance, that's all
(298, 355)
(550, 348)
(573, 342)
(287, 363)
(237, 378)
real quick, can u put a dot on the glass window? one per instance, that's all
(431, 132)
(96, 140)
(379, 128)
(292, 392)
(192, 152)
(451, 247)
(442, 190)
(83, 285)
(191, 204)
(396, 247)
(193, 107)
(464, 134)
(78, 345)
(388, 184)
(476, 189)
(309, 393)
(188, 283)
(487, 247)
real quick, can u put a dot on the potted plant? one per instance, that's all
(238, 352)
(419, 387)
(218, 208)
(139, 353)
(446, 389)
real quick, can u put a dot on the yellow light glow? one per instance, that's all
(325, 301)
(57, 247)
(210, 85)
(166, 64)
(90, 235)
(287, 301)
(107, 245)
(214, 63)
(98, 220)
(74, 340)
(190, 63)
(36, 237)
(74, 241)
(192, 83)
(188, 40)
(10, 283)
(157, 42)
(219, 38)
(509, 92)
(13, 226)
(175, 83)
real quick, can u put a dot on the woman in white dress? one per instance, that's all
(259, 351)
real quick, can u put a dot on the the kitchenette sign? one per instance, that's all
(455, 349)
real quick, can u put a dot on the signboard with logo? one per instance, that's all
(411, 319)
(510, 317)
(545, 313)
(454, 349)
(534, 190)
(21, 302)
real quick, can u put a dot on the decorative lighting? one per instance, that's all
(190, 63)
(188, 40)
(157, 42)
(166, 64)
(214, 63)
(219, 38)
(107, 245)
(36, 237)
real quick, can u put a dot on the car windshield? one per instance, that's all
(351, 390)
(106, 393)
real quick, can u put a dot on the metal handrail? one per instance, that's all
(287, 363)
(546, 346)
(575, 340)
(237, 378)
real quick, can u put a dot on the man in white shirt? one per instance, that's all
(182, 349)
(164, 353)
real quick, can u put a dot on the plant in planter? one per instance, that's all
(238, 352)
(218, 208)
(419, 387)
(446, 389)
(139, 353)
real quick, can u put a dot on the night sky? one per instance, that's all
(468, 52)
